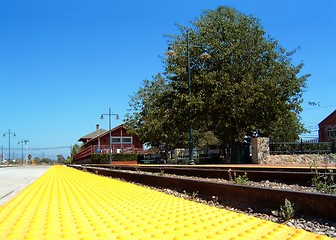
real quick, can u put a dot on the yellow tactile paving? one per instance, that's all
(70, 204)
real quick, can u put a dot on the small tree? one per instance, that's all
(60, 158)
(74, 150)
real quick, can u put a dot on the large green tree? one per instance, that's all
(248, 83)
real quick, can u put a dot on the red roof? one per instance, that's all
(328, 119)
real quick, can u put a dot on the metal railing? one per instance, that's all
(301, 147)
(105, 149)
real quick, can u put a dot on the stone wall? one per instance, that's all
(306, 159)
(260, 149)
(261, 155)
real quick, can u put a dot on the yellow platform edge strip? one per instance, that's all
(66, 203)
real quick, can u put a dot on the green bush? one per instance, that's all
(100, 158)
(287, 211)
(241, 179)
(324, 182)
(105, 158)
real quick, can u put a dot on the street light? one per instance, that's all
(204, 55)
(22, 142)
(9, 133)
(109, 114)
(26, 146)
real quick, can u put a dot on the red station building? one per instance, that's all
(98, 142)
(327, 128)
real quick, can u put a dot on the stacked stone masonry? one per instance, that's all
(261, 155)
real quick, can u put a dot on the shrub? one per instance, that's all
(105, 158)
(287, 211)
(325, 182)
(240, 179)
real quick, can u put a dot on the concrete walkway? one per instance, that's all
(14, 178)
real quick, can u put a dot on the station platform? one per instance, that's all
(66, 203)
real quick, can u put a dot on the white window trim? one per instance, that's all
(330, 131)
(123, 142)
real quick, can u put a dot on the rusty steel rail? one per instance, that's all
(302, 177)
(313, 204)
(254, 167)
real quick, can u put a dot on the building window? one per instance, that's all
(330, 132)
(125, 140)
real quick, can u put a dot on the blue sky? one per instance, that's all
(63, 63)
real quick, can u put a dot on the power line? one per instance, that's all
(314, 108)
(313, 126)
(323, 83)
(50, 148)
(43, 148)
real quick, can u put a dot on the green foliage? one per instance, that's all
(240, 179)
(161, 173)
(324, 182)
(44, 160)
(286, 129)
(154, 115)
(100, 158)
(249, 72)
(105, 158)
(208, 138)
(287, 211)
(60, 158)
(68, 160)
(75, 149)
(249, 82)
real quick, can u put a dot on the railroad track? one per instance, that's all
(313, 204)
(299, 176)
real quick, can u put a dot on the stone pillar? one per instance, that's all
(260, 149)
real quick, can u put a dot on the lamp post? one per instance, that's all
(204, 55)
(109, 114)
(2, 154)
(22, 142)
(26, 146)
(9, 133)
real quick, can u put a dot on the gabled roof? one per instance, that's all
(92, 135)
(326, 119)
(105, 133)
(113, 129)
